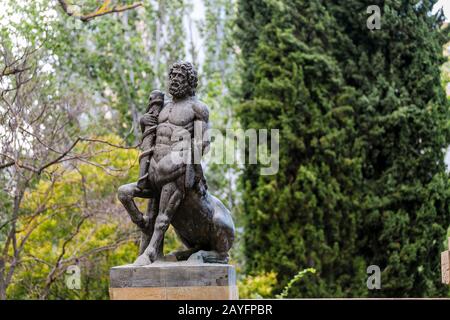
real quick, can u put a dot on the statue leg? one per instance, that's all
(171, 196)
(152, 212)
(126, 195)
(221, 239)
(181, 255)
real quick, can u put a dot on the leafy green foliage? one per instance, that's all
(403, 124)
(83, 226)
(257, 287)
(122, 57)
(76, 228)
(306, 215)
(364, 124)
(296, 278)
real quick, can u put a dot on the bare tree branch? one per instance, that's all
(51, 276)
(109, 143)
(104, 9)
(6, 165)
(62, 154)
(57, 159)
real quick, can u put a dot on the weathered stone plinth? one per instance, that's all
(445, 265)
(173, 281)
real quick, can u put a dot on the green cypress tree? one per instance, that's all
(307, 214)
(402, 120)
(364, 126)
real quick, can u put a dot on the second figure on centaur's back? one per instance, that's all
(149, 122)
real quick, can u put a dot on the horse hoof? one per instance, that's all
(142, 260)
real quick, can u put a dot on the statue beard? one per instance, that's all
(179, 90)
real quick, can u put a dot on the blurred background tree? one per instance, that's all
(307, 215)
(364, 122)
(403, 122)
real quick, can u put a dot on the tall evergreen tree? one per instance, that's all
(402, 119)
(363, 121)
(307, 214)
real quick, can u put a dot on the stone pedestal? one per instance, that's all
(445, 265)
(174, 281)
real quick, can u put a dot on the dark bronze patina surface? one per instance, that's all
(177, 190)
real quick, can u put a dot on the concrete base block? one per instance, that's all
(445, 265)
(173, 281)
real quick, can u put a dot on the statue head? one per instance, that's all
(182, 79)
(156, 98)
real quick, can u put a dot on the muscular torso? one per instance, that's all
(175, 121)
(174, 135)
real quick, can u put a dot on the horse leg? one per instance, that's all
(171, 197)
(152, 212)
(126, 195)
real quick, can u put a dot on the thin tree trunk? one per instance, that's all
(2, 280)
(158, 43)
(192, 48)
(6, 277)
(2, 292)
(128, 88)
